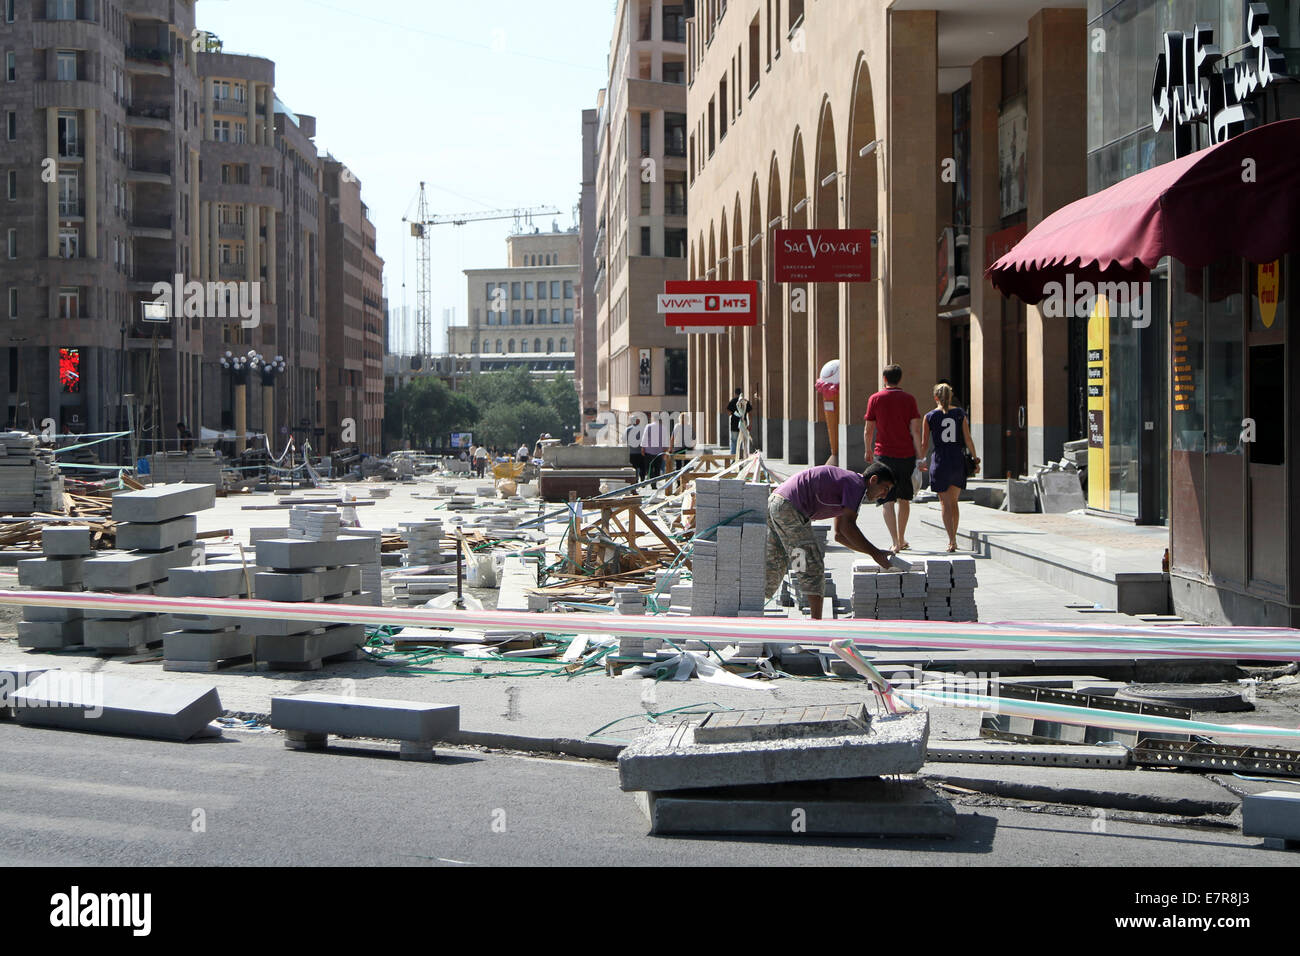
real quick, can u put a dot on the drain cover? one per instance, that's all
(1195, 696)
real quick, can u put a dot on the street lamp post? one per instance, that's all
(238, 367)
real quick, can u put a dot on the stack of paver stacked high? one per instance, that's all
(706, 505)
(912, 606)
(727, 580)
(681, 600)
(372, 587)
(629, 600)
(309, 571)
(889, 596)
(156, 527)
(201, 467)
(423, 543)
(865, 579)
(201, 642)
(963, 590)
(61, 569)
(29, 477)
(704, 576)
(938, 589)
(313, 522)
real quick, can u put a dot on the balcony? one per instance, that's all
(71, 148)
(230, 106)
(150, 226)
(149, 59)
(144, 115)
(236, 271)
(72, 208)
(146, 171)
(231, 230)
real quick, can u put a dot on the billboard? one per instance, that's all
(462, 439)
(714, 304)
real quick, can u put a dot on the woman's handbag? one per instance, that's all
(972, 463)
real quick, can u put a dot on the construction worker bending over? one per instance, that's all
(811, 495)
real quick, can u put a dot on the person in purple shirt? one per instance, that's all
(811, 495)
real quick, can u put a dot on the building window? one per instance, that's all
(512, 346)
(69, 193)
(11, 67)
(69, 243)
(221, 131)
(675, 23)
(12, 185)
(13, 303)
(62, 10)
(9, 11)
(528, 316)
(555, 290)
(568, 289)
(66, 65)
(645, 241)
(516, 317)
(675, 134)
(13, 243)
(69, 303)
(556, 316)
(645, 134)
(675, 193)
(675, 377)
(11, 125)
(568, 316)
(674, 72)
(646, 196)
(564, 345)
(240, 133)
(675, 243)
(530, 290)
(541, 289)
(550, 346)
(537, 345)
(500, 350)
(515, 291)
(722, 113)
(69, 128)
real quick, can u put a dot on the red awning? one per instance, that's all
(1239, 198)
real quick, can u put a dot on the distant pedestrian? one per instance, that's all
(480, 460)
(739, 410)
(654, 443)
(522, 453)
(636, 455)
(948, 428)
(892, 434)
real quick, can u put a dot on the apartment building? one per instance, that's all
(525, 313)
(584, 332)
(640, 231)
(948, 128)
(352, 370)
(99, 163)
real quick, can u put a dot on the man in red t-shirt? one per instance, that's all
(892, 434)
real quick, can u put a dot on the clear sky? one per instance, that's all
(482, 100)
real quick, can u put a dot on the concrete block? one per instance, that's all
(1274, 814)
(836, 808)
(208, 580)
(163, 502)
(1021, 497)
(833, 720)
(125, 634)
(669, 758)
(365, 717)
(157, 537)
(65, 541)
(305, 648)
(49, 635)
(60, 614)
(275, 586)
(47, 573)
(206, 646)
(115, 572)
(118, 705)
(1060, 492)
(293, 554)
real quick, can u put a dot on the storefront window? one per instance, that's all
(1223, 329)
(1124, 429)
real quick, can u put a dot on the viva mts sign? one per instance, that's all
(709, 304)
(1191, 88)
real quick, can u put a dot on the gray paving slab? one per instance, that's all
(293, 554)
(49, 635)
(668, 758)
(305, 586)
(351, 716)
(795, 810)
(110, 572)
(51, 573)
(1274, 814)
(163, 502)
(166, 710)
(71, 541)
(156, 536)
(206, 646)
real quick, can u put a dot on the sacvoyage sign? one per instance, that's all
(1189, 88)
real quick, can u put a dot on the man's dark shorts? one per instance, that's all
(902, 469)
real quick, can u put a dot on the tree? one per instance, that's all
(508, 425)
(426, 412)
(562, 395)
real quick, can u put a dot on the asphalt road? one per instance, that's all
(71, 799)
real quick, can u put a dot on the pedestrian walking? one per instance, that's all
(947, 429)
(892, 434)
(811, 495)
(480, 460)
(739, 411)
(654, 442)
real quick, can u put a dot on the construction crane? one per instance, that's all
(420, 226)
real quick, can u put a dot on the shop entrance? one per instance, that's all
(1015, 393)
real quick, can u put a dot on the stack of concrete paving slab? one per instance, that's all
(728, 565)
(156, 529)
(29, 476)
(704, 576)
(314, 522)
(628, 600)
(423, 543)
(372, 587)
(200, 467)
(798, 771)
(199, 642)
(940, 589)
(311, 572)
(65, 550)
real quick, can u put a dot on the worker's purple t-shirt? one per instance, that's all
(824, 491)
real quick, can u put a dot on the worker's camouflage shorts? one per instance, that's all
(792, 547)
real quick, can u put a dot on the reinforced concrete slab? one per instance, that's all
(827, 720)
(669, 758)
(166, 710)
(823, 808)
(365, 717)
(163, 502)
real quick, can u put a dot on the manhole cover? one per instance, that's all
(1194, 696)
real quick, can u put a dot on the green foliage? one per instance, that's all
(426, 412)
(508, 425)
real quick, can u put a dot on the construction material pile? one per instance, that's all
(29, 476)
(936, 589)
(202, 466)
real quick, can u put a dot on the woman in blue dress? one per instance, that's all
(949, 430)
